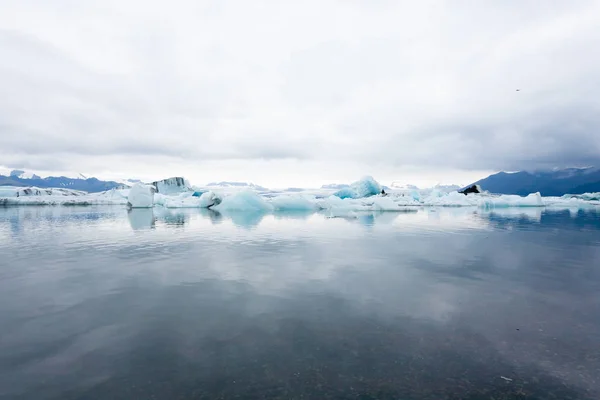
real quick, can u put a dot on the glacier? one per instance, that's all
(334, 200)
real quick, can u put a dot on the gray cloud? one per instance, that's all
(387, 85)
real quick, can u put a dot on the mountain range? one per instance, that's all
(549, 183)
(21, 179)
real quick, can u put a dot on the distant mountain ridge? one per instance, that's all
(20, 178)
(548, 183)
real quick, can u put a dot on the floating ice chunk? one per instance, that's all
(244, 201)
(365, 187)
(182, 202)
(385, 204)
(187, 200)
(531, 200)
(342, 205)
(293, 203)
(14, 191)
(19, 196)
(141, 196)
(572, 202)
(452, 199)
(210, 199)
(589, 196)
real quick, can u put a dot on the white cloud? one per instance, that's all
(298, 92)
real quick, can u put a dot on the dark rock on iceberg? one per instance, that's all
(470, 189)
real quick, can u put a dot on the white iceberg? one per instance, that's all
(31, 196)
(585, 196)
(172, 186)
(244, 201)
(188, 200)
(141, 196)
(293, 203)
(505, 201)
(17, 191)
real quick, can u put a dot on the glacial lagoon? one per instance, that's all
(430, 303)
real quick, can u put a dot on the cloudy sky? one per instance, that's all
(286, 93)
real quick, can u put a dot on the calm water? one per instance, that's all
(99, 303)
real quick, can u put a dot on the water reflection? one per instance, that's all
(172, 217)
(431, 304)
(141, 218)
(214, 216)
(297, 214)
(245, 219)
(532, 214)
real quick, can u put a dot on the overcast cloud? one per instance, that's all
(299, 92)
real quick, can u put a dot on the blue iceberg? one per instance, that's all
(365, 187)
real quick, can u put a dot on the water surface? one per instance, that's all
(101, 303)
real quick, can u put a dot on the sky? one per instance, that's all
(299, 93)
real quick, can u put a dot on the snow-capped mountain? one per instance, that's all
(17, 173)
(22, 178)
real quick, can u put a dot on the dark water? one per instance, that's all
(96, 303)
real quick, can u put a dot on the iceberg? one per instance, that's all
(584, 196)
(141, 196)
(210, 199)
(31, 196)
(188, 200)
(17, 191)
(505, 201)
(386, 204)
(452, 199)
(293, 203)
(172, 186)
(244, 201)
(365, 187)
